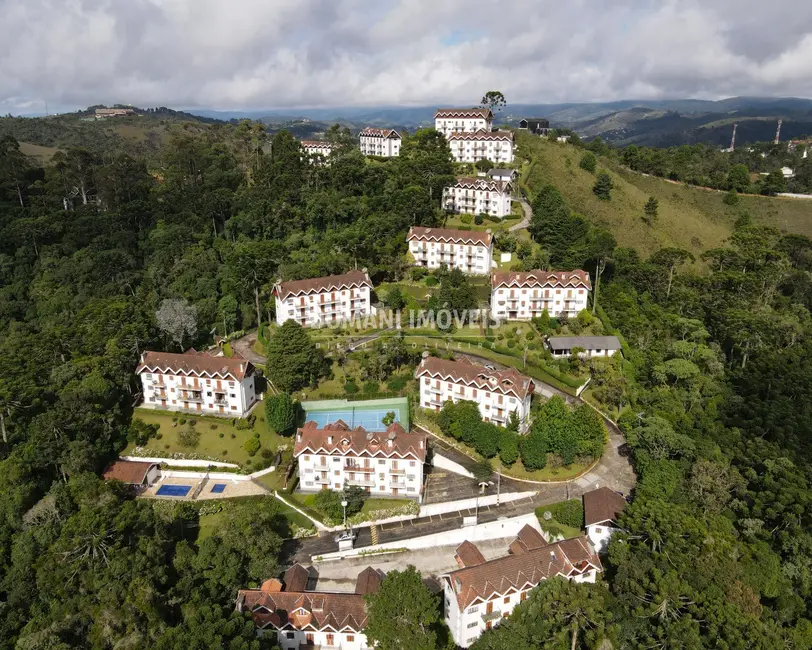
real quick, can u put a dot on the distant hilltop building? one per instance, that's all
(380, 142)
(103, 113)
(462, 120)
(535, 125)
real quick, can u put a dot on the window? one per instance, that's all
(523, 596)
(506, 600)
(411, 463)
(233, 408)
(290, 635)
(350, 638)
(381, 461)
(473, 610)
(336, 459)
(474, 624)
(307, 458)
(152, 398)
(148, 375)
(598, 530)
(309, 483)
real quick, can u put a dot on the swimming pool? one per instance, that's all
(173, 490)
(218, 488)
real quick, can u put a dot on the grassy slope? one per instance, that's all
(691, 218)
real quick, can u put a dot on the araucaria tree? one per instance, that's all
(404, 614)
(494, 100)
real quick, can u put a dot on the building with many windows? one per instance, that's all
(467, 250)
(197, 382)
(317, 147)
(380, 142)
(462, 120)
(321, 301)
(478, 595)
(522, 295)
(479, 196)
(310, 619)
(536, 125)
(387, 463)
(602, 508)
(496, 146)
(498, 393)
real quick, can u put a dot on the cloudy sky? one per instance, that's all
(244, 54)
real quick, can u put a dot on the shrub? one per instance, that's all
(350, 387)
(328, 503)
(233, 435)
(371, 387)
(222, 435)
(508, 447)
(213, 427)
(479, 220)
(466, 218)
(267, 454)
(418, 273)
(166, 446)
(159, 436)
(140, 432)
(224, 452)
(511, 343)
(534, 452)
(530, 336)
(242, 424)
(431, 281)
(189, 437)
(182, 421)
(192, 422)
(569, 513)
(174, 418)
(251, 445)
(281, 410)
(589, 162)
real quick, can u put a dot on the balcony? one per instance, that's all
(397, 470)
(350, 467)
(362, 482)
(397, 484)
(321, 479)
(492, 616)
(191, 397)
(158, 383)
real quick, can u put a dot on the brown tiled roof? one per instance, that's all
(450, 236)
(602, 505)
(196, 363)
(132, 472)
(368, 581)
(337, 438)
(316, 143)
(525, 279)
(507, 382)
(487, 184)
(462, 113)
(296, 578)
(379, 133)
(528, 539)
(482, 135)
(467, 554)
(349, 280)
(516, 572)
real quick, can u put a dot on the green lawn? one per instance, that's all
(554, 527)
(372, 504)
(454, 221)
(209, 523)
(228, 448)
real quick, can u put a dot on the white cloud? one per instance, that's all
(278, 53)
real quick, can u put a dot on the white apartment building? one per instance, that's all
(602, 508)
(310, 619)
(478, 595)
(479, 196)
(387, 463)
(498, 393)
(527, 294)
(496, 146)
(195, 382)
(462, 120)
(317, 147)
(380, 142)
(466, 250)
(321, 301)
(591, 346)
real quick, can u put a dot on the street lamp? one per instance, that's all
(344, 506)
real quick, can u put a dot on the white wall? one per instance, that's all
(320, 639)
(599, 535)
(166, 392)
(449, 125)
(518, 303)
(432, 255)
(470, 149)
(438, 460)
(465, 504)
(346, 303)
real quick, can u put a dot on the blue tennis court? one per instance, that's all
(173, 490)
(218, 488)
(369, 420)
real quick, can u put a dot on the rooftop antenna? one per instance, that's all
(733, 139)
(778, 132)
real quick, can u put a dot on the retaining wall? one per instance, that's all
(438, 460)
(468, 504)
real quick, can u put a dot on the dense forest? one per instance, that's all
(718, 548)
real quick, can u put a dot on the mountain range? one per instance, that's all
(643, 122)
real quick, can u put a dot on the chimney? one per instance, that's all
(329, 440)
(299, 436)
(421, 444)
(390, 443)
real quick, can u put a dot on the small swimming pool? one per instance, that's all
(218, 488)
(173, 490)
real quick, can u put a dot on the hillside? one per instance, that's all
(139, 135)
(689, 217)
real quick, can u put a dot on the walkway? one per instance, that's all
(528, 215)
(244, 346)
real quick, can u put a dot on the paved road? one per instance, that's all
(528, 215)
(244, 347)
